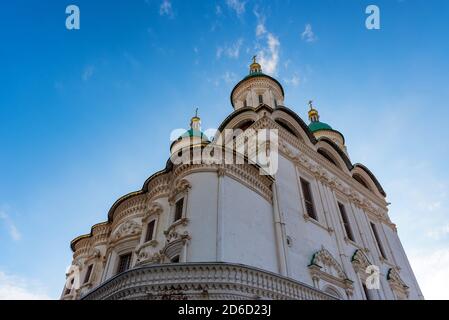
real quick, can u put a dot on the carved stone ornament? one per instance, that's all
(397, 284)
(153, 209)
(324, 267)
(360, 261)
(128, 228)
(181, 186)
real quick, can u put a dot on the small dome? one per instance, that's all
(194, 133)
(317, 125)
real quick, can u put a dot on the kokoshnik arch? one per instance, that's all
(224, 231)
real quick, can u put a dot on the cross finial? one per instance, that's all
(196, 113)
(311, 104)
(254, 58)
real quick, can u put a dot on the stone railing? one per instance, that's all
(215, 280)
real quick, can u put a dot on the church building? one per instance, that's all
(315, 229)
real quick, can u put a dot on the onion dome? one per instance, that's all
(192, 137)
(322, 129)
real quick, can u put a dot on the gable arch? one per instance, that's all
(333, 291)
(360, 174)
(288, 127)
(368, 175)
(291, 120)
(328, 151)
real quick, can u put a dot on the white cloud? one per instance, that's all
(439, 232)
(166, 9)
(432, 272)
(16, 288)
(12, 229)
(218, 10)
(232, 51)
(260, 28)
(308, 35)
(236, 5)
(294, 80)
(88, 73)
(269, 56)
(229, 77)
(268, 52)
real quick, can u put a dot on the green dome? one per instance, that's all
(194, 133)
(317, 126)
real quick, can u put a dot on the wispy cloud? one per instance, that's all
(165, 9)
(438, 232)
(236, 5)
(13, 287)
(269, 55)
(268, 45)
(229, 77)
(260, 27)
(232, 51)
(293, 80)
(432, 272)
(88, 72)
(308, 35)
(10, 225)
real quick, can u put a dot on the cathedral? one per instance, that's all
(315, 228)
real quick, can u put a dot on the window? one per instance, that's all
(260, 99)
(245, 104)
(275, 103)
(124, 263)
(150, 231)
(68, 290)
(178, 209)
(88, 273)
(327, 156)
(308, 200)
(346, 223)
(175, 259)
(379, 243)
(360, 180)
(286, 127)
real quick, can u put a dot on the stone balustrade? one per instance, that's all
(214, 280)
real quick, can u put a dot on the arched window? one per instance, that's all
(286, 126)
(333, 292)
(328, 157)
(360, 180)
(245, 125)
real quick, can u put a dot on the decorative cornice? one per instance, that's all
(193, 279)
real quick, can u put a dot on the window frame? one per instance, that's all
(119, 262)
(151, 237)
(378, 240)
(345, 220)
(88, 273)
(175, 210)
(303, 182)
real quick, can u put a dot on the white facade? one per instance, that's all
(234, 221)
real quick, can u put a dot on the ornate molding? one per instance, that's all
(325, 267)
(360, 261)
(127, 229)
(397, 284)
(180, 187)
(194, 280)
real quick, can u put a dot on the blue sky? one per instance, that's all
(86, 115)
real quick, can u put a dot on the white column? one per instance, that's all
(220, 198)
(280, 233)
